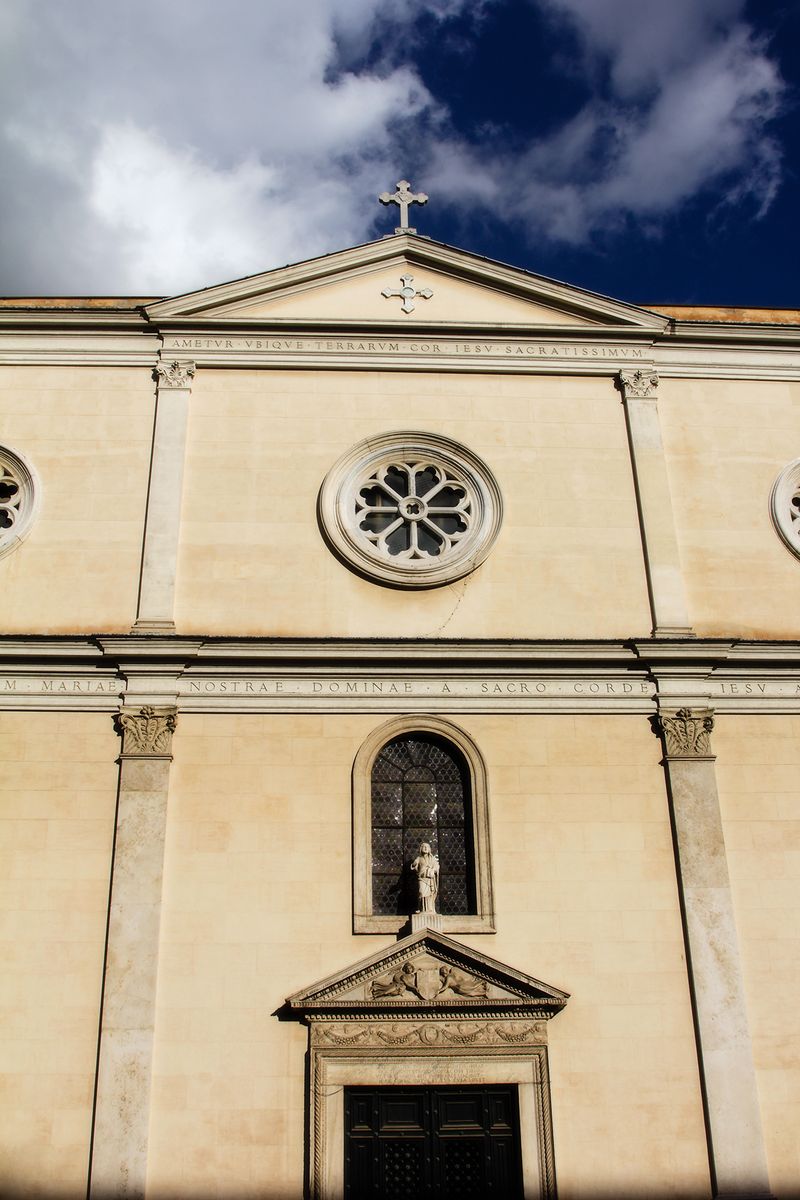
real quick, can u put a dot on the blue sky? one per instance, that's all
(647, 149)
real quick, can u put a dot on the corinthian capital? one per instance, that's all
(146, 731)
(639, 384)
(686, 732)
(175, 374)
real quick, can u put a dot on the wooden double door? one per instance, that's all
(432, 1143)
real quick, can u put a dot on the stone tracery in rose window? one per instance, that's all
(794, 513)
(10, 499)
(414, 510)
(785, 505)
(18, 498)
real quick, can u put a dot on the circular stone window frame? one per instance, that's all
(15, 464)
(337, 508)
(784, 489)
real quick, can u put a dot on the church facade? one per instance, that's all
(400, 739)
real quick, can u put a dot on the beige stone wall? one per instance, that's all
(257, 905)
(87, 432)
(758, 769)
(57, 798)
(568, 561)
(726, 441)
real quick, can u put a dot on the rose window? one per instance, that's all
(410, 509)
(413, 510)
(18, 496)
(785, 505)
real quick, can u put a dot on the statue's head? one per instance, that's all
(424, 848)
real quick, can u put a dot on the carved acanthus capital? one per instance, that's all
(175, 374)
(639, 384)
(146, 732)
(686, 732)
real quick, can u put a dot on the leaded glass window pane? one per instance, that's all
(420, 793)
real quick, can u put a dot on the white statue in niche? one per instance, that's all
(426, 868)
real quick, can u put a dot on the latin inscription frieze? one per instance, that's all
(304, 690)
(459, 348)
(342, 687)
(59, 685)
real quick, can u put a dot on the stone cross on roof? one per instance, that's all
(404, 197)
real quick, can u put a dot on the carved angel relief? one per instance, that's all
(425, 979)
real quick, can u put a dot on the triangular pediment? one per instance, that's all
(428, 971)
(363, 286)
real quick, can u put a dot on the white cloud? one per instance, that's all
(684, 94)
(159, 147)
(191, 143)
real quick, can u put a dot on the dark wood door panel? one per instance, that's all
(432, 1143)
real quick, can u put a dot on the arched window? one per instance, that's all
(420, 779)
(421, 793)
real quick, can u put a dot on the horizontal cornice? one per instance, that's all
(753, 353)
(312, 675)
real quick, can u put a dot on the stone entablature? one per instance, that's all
(265, 676)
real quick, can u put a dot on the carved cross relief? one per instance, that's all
(407, 293)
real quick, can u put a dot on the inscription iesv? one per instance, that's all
(404, 346)
(395, 691)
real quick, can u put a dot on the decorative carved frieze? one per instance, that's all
(686, 732)
(453, 1033)
(146, 731)
(175, 374)
(638, 384)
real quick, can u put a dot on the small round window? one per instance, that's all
(785, 505)
(19, 494)
(410, 509)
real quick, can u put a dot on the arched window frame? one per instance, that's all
(364, 920)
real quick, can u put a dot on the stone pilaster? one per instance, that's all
(733, 1118)
(668, 606)
(125, 1061)
(156, 608)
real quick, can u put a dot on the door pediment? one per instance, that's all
(425, 973)
(398, 281)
